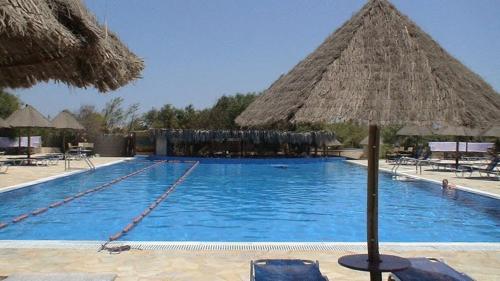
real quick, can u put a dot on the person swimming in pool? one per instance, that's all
(446, 185)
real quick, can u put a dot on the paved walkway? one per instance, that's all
(24, 174)
(490, 186)
(213, 265)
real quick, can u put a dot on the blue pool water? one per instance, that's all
(248, 200)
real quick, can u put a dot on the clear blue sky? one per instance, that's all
(195, 50)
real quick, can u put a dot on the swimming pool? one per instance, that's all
(273, 200)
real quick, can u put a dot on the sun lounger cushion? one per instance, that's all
(60, 277)
(425, 269)
(286, 270)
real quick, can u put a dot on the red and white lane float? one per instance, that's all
(81, 194)
(39, 211)
(20, 218)
(155, 204)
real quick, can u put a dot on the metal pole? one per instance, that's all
(372, 199)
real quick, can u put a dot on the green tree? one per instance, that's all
(92, 120)
(8, 103)
(227, 108)
(113, 114)
(220, 116)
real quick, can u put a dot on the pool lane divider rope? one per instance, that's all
(78, 195)
(152, 206)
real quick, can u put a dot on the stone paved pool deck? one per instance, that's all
(214, 265)
(487, 186)
(18, 175)
(149, 265)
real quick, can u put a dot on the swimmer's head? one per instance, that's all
(445, 183)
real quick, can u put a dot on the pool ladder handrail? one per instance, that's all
(81, 156)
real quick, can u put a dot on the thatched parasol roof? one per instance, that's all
(459, 131)
(28, 117)
(66, 120)
(4, 124)
(415, 130)
(60, 40)
(378, 68)
(492, 132)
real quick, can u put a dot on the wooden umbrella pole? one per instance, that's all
(19, 142)
(372, 200)
(63, 141)
(457, 153)
(373, 262)
(29, 143)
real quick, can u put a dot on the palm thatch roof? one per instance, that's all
(28, 117)
(378, 68)
(448, 130)
(415, 130)
(493, 132)
(248, 136)
(4, 124)
(61, 40)
(66, 120)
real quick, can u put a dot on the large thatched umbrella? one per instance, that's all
(28, 118)
(4, 124)
(61, 40)
(492, 132)
(414, 130)
(66, 121)
(379, 68)
(457, 132)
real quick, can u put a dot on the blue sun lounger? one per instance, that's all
(428, 269)
(285, 270)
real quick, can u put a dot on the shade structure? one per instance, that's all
(492, 132)
(415, 130)
(379, 68)
(28, 118)
(458, 131)
(66, 120)
(61, 40)
(4, 124)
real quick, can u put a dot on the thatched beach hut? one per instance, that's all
(4, 124)
(379, 68)
(61, 40)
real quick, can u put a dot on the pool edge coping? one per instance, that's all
(459, 187)
(251, 246)
(63, 175)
